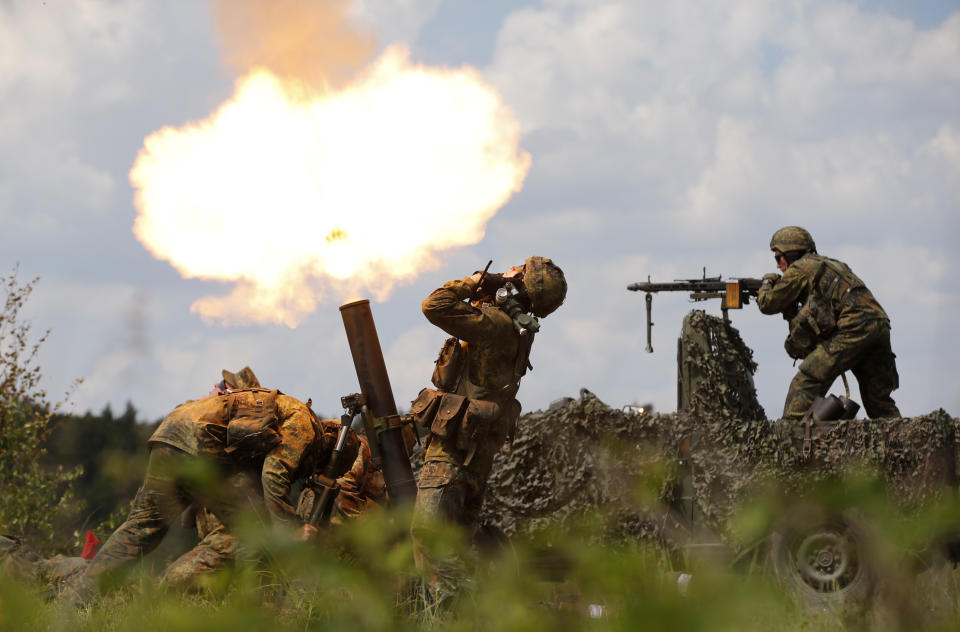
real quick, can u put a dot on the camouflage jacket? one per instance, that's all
(296, 456)
(361, 485)
(490, 347)
(843, 293)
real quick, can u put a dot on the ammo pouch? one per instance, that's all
(456, 419)
(477, 422)
(252, 428)
(813, 323)
(801, 340)
(449, 366)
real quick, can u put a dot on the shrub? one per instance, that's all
(31, 496)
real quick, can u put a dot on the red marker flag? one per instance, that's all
(90, 546)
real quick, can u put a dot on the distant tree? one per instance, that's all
(112, 450)
(31, 495)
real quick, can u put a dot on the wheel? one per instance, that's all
(825, 562)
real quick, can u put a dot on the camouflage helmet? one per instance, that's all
(244, 378)
(545, 285)
(791, 238)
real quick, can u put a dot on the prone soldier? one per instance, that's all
(836, 325)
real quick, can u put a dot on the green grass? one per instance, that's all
(362, 577)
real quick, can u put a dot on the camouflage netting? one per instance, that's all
(716, 372)
(568, 462)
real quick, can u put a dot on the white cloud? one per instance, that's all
(53, 70)
(665, 137)
(946, 144)
(731, 104)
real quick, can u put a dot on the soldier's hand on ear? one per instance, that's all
(491, 283)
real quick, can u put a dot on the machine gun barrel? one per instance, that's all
(713, 284)
(733, 293)
(388, 441)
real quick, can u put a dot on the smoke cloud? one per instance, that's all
(316, 43)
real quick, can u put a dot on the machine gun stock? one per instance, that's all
(733, 293)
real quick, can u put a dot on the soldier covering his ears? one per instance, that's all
(836, 325)
(473, 408)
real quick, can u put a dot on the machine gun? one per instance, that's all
(733, 293)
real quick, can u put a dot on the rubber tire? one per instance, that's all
(853, 591)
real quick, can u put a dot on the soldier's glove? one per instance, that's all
(490, 284)
(770, 279)
(306, 533)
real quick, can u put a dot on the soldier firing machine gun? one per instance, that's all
(733, 293)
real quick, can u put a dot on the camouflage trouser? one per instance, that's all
(21, 562)
(166, 492)
(864, 350)
(450, 494)
(216, 549)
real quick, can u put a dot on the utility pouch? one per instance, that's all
(253, 427)
(813, 323)
(447, 420)
(477, 422)
(424, 407)
(449, 366)
(801, 340)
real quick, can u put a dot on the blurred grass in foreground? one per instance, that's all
(361, 577)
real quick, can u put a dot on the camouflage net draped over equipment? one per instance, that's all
(583, 457)
(572, 460)
(716, 370)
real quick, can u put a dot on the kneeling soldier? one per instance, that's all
(235, 447)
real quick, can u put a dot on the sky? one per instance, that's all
(664, 138)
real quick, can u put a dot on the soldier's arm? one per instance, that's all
(449, 309)
(783, 295)
(350, 499)
(284, 464)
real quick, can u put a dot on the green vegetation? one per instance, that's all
(853, 525)
(32, 497)
(361, 577)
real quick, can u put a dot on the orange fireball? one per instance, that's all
(295, 194)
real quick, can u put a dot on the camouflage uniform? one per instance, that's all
(19, 561)
(189, 464)
(216, 549)
(454, 474)
(360, 488)
(856, 338)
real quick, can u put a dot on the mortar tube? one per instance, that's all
(375, 386)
